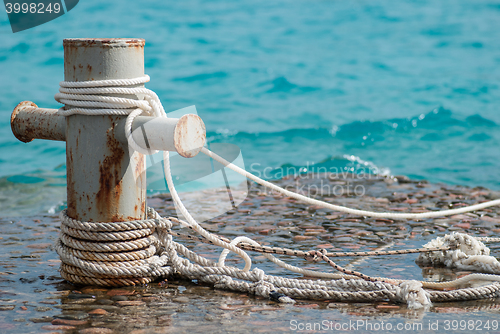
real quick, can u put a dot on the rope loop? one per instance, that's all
(85, 98)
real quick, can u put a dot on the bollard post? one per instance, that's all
(106, 182)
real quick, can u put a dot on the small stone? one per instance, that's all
(302, 238)
(130, 303)
(24, 308)
(316, 230)
(60, 293)
(7, 307)
(39, 246)
(337, 305)
(253, 229)
(450, 310)
(226, 307)
(120, 292)
(463, 225)
(98, 311)
(107, 308)
(387, 307)
(19, 320)
(96, 330)
(139, 331)
(165, 320)
(261, 309)
(79, 296)
(43, 309)
(48, 302)
(315, 233)
(311, 228)
(344, 239)
(69, 322)
(460, 217)
(81, 301)
(105, 301)
(362, 233)
(74, 316)
(491, 219)
(181, 300)
(42, 319)
(260, 213)
(308, 306)
(119, 298)
(93, 290)
(57, 328)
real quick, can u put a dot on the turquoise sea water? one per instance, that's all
(408, 87)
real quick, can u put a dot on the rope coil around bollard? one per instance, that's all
(141, 251)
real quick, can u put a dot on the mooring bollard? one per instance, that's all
(106, 181)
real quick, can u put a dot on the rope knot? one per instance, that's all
(262, 288)
(466, 252)
(223, 283)
(412, 293)
(258, 274)
(314, 256)
(280, 298)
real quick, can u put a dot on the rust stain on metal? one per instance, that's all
(14, 120)
(139, 166)
(189, 138)
(71, 200)
(110, 179)
(29, 122)
(140, 184)
(103, 42)
(136, 44)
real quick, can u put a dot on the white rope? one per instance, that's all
(192, 222)
(85, 98)
(312, 201)
(467, 253)
(471, 279)
(105, 83)
(275, 260)
(130, 252)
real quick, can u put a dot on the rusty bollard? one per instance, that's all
(106, 181)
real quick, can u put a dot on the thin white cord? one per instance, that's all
(192, 222)
(87, 94)
(334, 207)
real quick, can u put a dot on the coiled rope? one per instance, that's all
(138, 252)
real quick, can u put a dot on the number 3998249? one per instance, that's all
(32, 8)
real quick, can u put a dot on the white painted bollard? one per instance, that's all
(106, 181)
